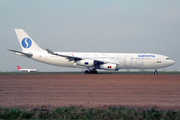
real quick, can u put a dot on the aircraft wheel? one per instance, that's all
(86, 72)
(93, 71)
(155, 72)
(90, 71)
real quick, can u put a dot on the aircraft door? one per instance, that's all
(45, 57)
(158, 60)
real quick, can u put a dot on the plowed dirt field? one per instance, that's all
(51, 91)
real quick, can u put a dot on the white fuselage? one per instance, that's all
(123, 60)
(90, 61)
(27, 70)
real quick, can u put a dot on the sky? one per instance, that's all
(115, 26)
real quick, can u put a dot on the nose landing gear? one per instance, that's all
(155, 72)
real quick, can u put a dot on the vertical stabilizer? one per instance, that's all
(26, 43)
(18, 67)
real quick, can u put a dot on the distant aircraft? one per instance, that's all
(26, 70)
(90, 61)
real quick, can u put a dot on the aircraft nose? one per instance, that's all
(169, 62)
(172, 62)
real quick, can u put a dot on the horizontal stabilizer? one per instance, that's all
(26, 54)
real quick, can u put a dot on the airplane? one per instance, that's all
(90, 61)
(26, 70)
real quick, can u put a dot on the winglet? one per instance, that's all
(50, 52)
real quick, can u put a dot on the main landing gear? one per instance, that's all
(155, 72)
(91, 71)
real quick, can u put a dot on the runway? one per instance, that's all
(51, 91)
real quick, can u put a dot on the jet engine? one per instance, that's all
(108, 67)
(88, 63)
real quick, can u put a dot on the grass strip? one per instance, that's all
(110, 113)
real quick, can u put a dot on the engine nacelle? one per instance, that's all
(88, 63)
(108, 66)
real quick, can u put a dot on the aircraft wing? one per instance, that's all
(101, 61)
(75, 58)
(70, 58)
(22, 53)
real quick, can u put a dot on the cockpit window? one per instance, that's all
(168, 58)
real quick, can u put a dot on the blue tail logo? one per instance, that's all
(26, 43)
